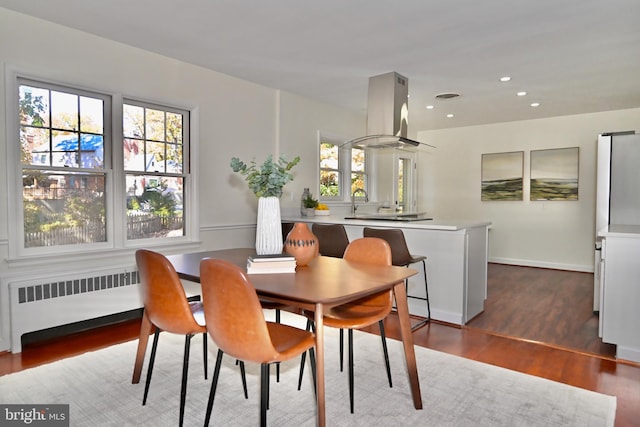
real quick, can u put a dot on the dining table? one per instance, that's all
(323, 283)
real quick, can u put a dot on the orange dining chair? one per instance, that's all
(365, 311)
(401, 256)
(235, 321)
(166, 308)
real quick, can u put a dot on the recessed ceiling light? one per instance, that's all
(505, 79)
(535, 104)
(449, 115)
(429, 107)
(521, 93)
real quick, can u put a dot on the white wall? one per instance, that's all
(231, 117)
(557, 234)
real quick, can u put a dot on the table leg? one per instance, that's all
(146, 328)
(407, 341)
(319, 320)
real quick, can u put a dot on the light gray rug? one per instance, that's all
(455, 391)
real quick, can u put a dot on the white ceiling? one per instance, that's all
(571, 56)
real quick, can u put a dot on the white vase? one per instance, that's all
(268, 227)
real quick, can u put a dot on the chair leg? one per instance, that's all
(244, 379)
(385, 351)
(341, 347)
(350, 345)
(185, 372)
(312, 360)
(264, 391)
(278, 364)
(205, 353)
(303, 356)
(152, 359)
(214, 384)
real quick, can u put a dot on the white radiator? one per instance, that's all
(42, 303)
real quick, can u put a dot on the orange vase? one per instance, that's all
(301, 243)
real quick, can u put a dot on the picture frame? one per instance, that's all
(502, 176)
(554, 174)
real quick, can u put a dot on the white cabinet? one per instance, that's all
(620, 293)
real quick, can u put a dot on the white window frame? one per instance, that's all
(344, 167)
(114, 180)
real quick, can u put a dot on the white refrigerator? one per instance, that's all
(617, 191)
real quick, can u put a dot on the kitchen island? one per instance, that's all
(456, 254)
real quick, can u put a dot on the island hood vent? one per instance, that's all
(387, 114)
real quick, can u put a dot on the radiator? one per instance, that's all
(42, 303)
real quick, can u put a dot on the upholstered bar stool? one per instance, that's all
(332, 239)
(402, 257)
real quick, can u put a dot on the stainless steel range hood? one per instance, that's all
(387, 114)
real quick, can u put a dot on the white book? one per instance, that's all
(272, 270)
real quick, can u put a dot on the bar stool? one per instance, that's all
(402, 257)
(332, 239)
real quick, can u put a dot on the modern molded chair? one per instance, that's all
(365, 311)
(402, 257)
(166, 308)
(235, 321)
(332, 239)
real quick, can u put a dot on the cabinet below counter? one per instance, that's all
(456, 254)
(620, 289)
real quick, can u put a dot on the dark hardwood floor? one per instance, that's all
(581, 368)
(548, 306)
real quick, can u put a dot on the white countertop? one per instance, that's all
(434, 224)
(621, 230)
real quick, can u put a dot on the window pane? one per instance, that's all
(154, 206)
(174, 128)
(91, 115)
(329, 156)
(34, 146)
(34, 106)
(133, 121)
(357, 160)
(134, 155)
(155, 157)
(155, 125)
(329, 183)
(174, 158)
(63, 209)
(358, 181)
(64, 110)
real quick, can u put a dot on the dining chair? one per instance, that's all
(235, 321)
(402, 257)
(365, 311)
(166, 308)
(332, 239)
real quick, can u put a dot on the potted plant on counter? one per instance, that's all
(310, 205)
(266, 181)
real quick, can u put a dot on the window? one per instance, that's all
(342, 170)
(330, 175)
(73, 196)
(358, 170)
(63, 165)
(153, 150)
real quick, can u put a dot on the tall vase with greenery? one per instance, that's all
(266, 181)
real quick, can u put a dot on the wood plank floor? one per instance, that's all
(578, 368)
(548, 306)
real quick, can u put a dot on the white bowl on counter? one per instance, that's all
(322, 212)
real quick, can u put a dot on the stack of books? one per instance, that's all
(265, 264)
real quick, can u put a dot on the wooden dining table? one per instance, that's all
(324, 283)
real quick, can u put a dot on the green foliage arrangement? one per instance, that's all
(268, 179)
(310, 202)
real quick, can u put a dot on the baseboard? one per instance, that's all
(543, 264)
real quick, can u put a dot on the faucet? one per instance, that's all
(354, 208)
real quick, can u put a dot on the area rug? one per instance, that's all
(455, 391)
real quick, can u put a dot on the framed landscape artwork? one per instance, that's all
(502, 176)
(554, 174)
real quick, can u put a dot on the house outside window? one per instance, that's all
(79, 187)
